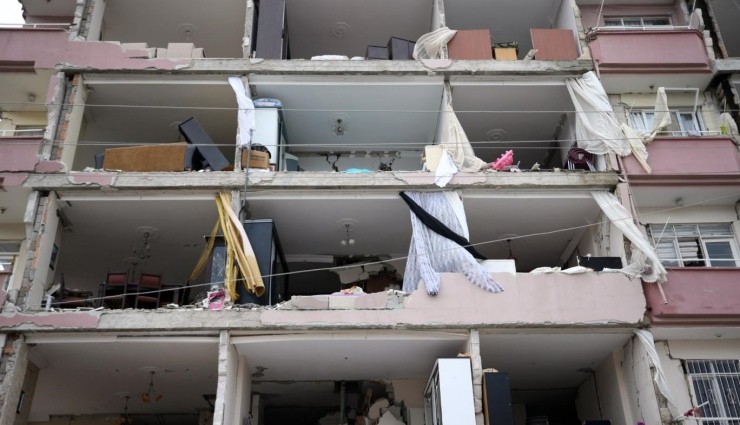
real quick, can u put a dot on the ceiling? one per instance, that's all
(727, 14)
(218, 30)
(347, 27)
(519, 115)
(382, 227)
(49, 7)
(86, 378)
(24, 91)
(293, 369)
(668, 196)
(507, 19)
(14, 200)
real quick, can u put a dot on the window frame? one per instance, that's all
(703, 258)
(717, 384)
(611, 20)
(676, 113)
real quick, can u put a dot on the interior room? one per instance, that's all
(315, 230)
(301, 378)
(130, 112)
(137, 380)
(370, 123)
(22, 107)
(534, 119)
(331, 27)
(509, 23)
(174, 21)
(727, 15)
(140, 238)
(558, 377)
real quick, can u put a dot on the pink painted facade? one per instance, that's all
(533, 299)
(696, 295)
(671, 51)
(19, 153)
(687, 156)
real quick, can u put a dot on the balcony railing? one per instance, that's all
(686, 156)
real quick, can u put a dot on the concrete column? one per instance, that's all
(13, 365)
(54, 105)
(219, 411)
(586, 51)
(473, 348)
(248, 26)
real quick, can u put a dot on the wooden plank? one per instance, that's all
(554, 44)
(471, 45)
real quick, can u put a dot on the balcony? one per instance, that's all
(19, 153)
(687, 158)
(696, 296)
(631, 59)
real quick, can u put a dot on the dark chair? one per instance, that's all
(66, 298)
(579, 159)
(206, 152)
(149, 291)
(115, 290)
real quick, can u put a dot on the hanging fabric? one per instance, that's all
(639, 140)
(430, 45)
(646, 338)
(456, 142)
(246, 114)
(645, 260)
(431, 253)
(439, 228)
(728, 127)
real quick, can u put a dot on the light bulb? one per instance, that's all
(343, 242)
(351, 241)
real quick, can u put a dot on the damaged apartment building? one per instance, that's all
(420, 212)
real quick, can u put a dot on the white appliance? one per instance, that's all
(270, 131)
(448, 397)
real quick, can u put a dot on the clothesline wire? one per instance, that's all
(501, 240)
(394, 111)
(363, 146)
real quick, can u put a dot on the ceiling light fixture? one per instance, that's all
(124, 418)
(147, 233)
(347, 225)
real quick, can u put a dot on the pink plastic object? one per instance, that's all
(505, 160)
(216, 300)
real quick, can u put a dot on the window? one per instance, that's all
(715, 385)
(695, 245)
(8, 251)
(683, 123)
(637, 21)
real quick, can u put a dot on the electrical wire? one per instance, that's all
(501, 240)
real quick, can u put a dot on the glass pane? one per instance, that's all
(612, 22)
(667, 253)
(719, 229)
(688, 121)
(691, 253)
(720, 254)
(638, 121)
(686, 230)
(632, 22)
(661, 231)
(648, 22)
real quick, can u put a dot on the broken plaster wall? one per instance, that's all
(55, 104)
(472, 347)
(249, 30)
(79, 25)
(227, 381)
(581, 33)
(13, 365)
(68, 135)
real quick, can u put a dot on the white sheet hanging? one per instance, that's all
(246, 114)
(729, 127)
(431, 253)
(648, 264)
(646, 338)
(597, 130)
(430, 45)
(457, 144)
(446, 169)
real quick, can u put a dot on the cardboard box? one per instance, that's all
(470, 45)
(504, 53)
(376, 52)
(168, 157)
(257, 159)
(400, 49)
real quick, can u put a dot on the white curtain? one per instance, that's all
(431, 253)
(639, 140)
(597, 130)
(246, 114)
(646, 262)
(646, 338)
(729, 127)
(430, 45)
(456, 142)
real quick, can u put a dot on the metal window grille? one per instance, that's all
(715, 386)
(683, 123)
(637, 21)
(695, 245)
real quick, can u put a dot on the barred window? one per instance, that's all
(695, 245)
(715, 386)
(637, 21)
(683, 123)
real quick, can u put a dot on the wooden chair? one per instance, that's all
(115, 290)
(149, 292)
(66, 298)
